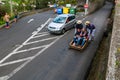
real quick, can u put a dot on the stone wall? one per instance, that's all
(113, 71)
(93, 6)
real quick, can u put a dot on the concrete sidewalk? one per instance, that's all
(113, 72)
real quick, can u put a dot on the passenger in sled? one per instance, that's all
(80, 37)
(79, 25)
(83, 37)
(76, 37)
(78, 28)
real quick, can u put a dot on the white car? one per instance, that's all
(62, 23)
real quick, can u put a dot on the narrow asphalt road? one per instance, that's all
(51, 59)
(19, 32)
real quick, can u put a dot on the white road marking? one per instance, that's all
(26, 50)
(30, 20)
(16, 70)
(40, 35)
(35, 32)
(33, 57)
(4, 78)
(38, 29)
(42, 25)
(16, 61)
(24, 64)
(41, 40)
(9, 55)
(47, 22)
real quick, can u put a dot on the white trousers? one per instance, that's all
(91, 36)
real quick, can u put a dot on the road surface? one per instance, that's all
(29, 52)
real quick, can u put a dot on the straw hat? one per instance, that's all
(87, 22)
(79, 22)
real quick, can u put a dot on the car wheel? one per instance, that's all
(63, 31)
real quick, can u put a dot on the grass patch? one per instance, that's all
(2, 22)
(117, 63)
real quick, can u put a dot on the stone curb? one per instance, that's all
(112, 69)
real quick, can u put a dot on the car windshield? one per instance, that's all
(59, 19)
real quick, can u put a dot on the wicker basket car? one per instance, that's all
(71, 46)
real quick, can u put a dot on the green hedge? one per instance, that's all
(2, 11)
(2, 22)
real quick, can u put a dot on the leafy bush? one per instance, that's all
(12, 17)
(2, 22)
(2, 11)
(41, 4)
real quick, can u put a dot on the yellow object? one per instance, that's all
(119, 49)
(65, 10)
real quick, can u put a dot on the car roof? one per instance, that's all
(66, 15)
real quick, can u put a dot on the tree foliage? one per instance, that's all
(2, 11)
(41, 4)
